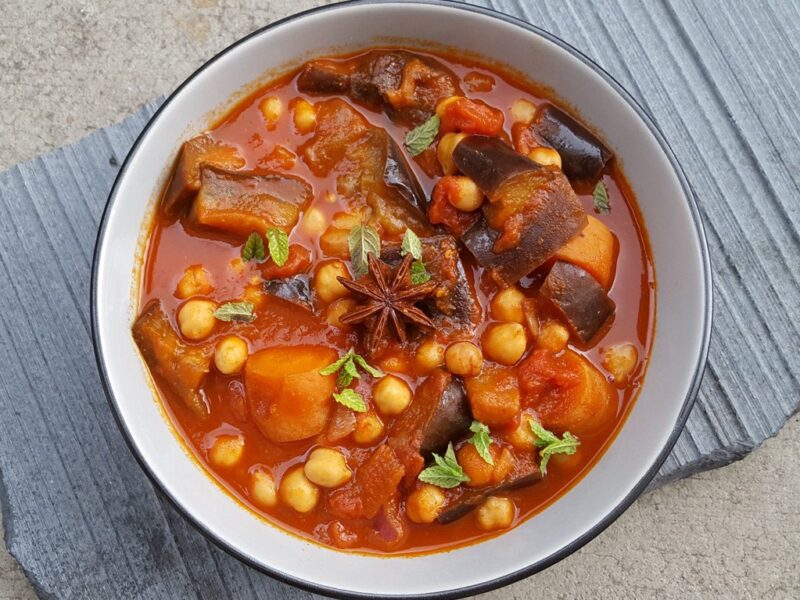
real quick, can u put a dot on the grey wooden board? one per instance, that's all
(721, 80)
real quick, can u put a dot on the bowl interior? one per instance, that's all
(682, 301)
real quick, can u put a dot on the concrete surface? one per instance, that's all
(69, 68)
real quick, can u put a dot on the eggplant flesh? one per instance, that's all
(578, 296)
(455, 305)
(292, 289)
(518, 189)
(383, 80)
(526, 472)
(583, 156)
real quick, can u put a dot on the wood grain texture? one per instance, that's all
(722, 83)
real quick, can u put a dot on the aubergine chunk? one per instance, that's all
(370, 171)
(292, 289)
(185, 181)
(181, 367)
(241, 202)
(583, 156)
(406, 86)
(580, 298)
(532, 210)
(454, 305)
(438, 414)
(463, 500)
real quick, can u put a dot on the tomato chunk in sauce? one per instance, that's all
(397, 301)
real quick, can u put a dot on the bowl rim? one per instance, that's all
(605, 521)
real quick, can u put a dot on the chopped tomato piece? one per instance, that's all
(298, 262)
(441, 211)
(471, 116)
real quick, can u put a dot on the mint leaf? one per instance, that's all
(362, 241)
(422, 136)
(367, 367)
(419, 274)
(278, 245)
(446, 473)
(550, 444)
(253, 248)
(236, 311)
(481, 441)
(336, 365)
(600, 195)
(347, 366)
(351, 399)
(411, 245)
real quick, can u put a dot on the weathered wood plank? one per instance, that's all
(722, 83)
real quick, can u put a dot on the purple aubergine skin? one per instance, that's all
(451, 420)
(397, 174)
(583, 156)
(580, 298)
(293, 289)
(491, 163)
(471, 499)
(368, 80)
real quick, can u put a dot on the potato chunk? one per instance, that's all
(493, 395)
(288, 398)
(592, 249)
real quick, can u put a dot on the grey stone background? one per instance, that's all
(69, 68)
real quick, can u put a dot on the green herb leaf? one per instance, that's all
(481, 441)
(236, 311)
(367, 367)
(600, 195)
(351, 399)
(347, 366)
(550, 444)
(419, 274)
(253, 248)
(363, 241)
(278, 245)
(411, 245)
(422, 136)
(446, 473)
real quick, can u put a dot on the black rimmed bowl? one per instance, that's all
(683, 300)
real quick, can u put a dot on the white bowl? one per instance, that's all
(683, 301)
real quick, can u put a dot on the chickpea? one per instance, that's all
(463, 358)
(337, 309)
(620, 361)
(305, 116)
(327, 468)
(545, 156)
(369, 428)
(263, 490)
(477, 469)
(443, 104)
(430, 354)
(425, 503)
(468, 196)
(495, 513)
(326, 286)
(298, 492)
(445, 149)
(227, 450)
(553, 336)
(314, 222)
(507, 305)
(196, 319)
(195, 282)
(230, 354)
(522, 437)
(523, 111)
(391, 395)
(271, 109)
(505, 343)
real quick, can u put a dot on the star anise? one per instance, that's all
(388, 299)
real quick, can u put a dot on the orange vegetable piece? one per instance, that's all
(373, 486)
(441, 211)
(288, 398)
(592, 249)
(298, 262)
(567, 391)
(494, 395)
